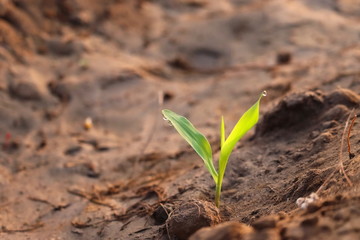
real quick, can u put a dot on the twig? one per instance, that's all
(28, 229)
(36, 199)
(341, 163)
(54, 206)
(89, 197)
(351, 155)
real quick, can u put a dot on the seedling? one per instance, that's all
(202, 146)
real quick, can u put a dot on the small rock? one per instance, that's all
(88, 123)
(224, 231)
(304, 202)
(190, 217)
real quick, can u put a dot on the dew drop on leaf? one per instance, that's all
(264, 93)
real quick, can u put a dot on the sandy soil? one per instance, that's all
(129, 175)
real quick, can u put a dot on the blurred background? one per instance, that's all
(65, 61)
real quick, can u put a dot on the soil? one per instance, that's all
(85, 153)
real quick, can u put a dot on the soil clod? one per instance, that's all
(265, 222)
(290, 113)
(189, 217)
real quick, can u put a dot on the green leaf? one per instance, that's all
(246, 122)
(222, 132)
(196, 140)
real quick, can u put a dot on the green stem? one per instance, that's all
(218, 191)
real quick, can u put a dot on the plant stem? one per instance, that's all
(220, 178)
(217, 194)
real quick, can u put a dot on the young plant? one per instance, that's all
(202, 146)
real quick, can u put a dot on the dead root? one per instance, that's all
(341, 162)
(351, 155)
(340, 166)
